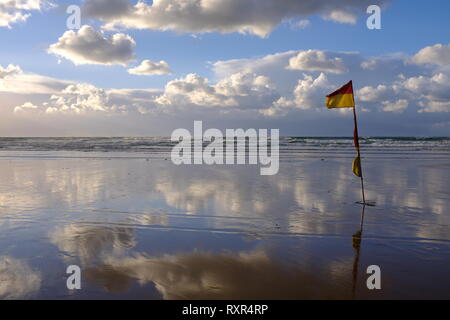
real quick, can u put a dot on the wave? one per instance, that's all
(287, 144)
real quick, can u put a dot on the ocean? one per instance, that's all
(291, 145)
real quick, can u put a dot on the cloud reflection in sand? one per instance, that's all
(17, 279)
(203, 275)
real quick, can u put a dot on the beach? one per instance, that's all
(141, 227)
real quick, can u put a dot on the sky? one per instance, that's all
(143, 68)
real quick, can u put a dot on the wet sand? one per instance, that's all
(143, 228)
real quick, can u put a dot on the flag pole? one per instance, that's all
(356, 137)
(341, 99)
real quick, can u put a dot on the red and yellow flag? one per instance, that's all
(342, 98)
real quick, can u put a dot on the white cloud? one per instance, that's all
(88, 46)
(438, 54)
(193, 89)
(309, 93)
(342, 16)
(14, 80)
(10, 70)
(397, 106)
(435, 106)
(372, 94)
(14, 11)
(147, 68)
(435, 87)
(84, 98)
(255, 87)
(25, 107)
(316, 60)
(226, 16)
(428, 93)
(241, 90)
(301, 24)
(369, 64)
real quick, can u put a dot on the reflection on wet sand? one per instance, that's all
(17, 279)
(215, 232)
(203, 275)
(256, 274)
(91, 242)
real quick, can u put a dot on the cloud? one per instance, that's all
(193, 89)
(398, 106)
(88, 46)
(84, 98)
(148, 68)
(436, 87)
(243, 16)
(301, 24)
(10, 70)
(438, 54)
(372, 94)
(342, 16)
(427, 93)
(15, 11)
(241, 90)
(308, 94)
(25, 107)
(14, 80)
(256, 90)
(316, 60)
(435, 106)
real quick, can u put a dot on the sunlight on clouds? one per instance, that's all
(307, 94)
(219, 16)
(14, 80)
(10, 70)
(437, 54)
(272, 86)
(316, 60)
(341, 16)
(148, 68)
(26, 106)
(88, 46)
(398, 106)
(15, 11)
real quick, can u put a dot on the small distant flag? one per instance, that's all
(344, 98)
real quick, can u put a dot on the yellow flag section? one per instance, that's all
(356, 166)
(341, 98)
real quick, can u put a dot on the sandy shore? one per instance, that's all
(143, 228)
